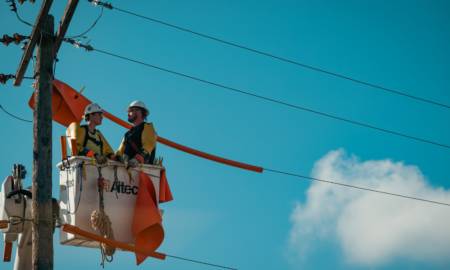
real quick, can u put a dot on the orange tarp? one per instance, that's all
(77, 231)
(67, 109)
(146, 225)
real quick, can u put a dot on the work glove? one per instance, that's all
(101, 160)
(133, 163)
(118, 158)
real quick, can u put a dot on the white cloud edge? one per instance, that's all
(406, 229)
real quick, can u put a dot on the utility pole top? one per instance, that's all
(35, 34)
(64, 24)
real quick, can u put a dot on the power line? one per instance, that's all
(91, 26)
(282, 59)
(295, 175)
(14, 8)
(201, 262)
(276, 101)
(367, 189)
(15, 116)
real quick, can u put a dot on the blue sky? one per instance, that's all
(245, 220)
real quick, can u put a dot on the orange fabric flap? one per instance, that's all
(146, 223)
(67, 109)
(7, 251)
(165, 195)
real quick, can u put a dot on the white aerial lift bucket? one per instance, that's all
(79, 197)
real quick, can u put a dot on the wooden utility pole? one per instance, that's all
(42, 151)
(47, 49)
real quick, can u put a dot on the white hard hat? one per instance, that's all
(92, 108)
(139, 104)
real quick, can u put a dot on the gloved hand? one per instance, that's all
(118, 158)
(133, 163)
(101, 160)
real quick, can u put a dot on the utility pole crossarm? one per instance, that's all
(35, 34)
(64, 24)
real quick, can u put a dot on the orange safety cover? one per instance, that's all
(7, 252)
(73, 144)
(67, 109)
(77, 231)
(63, 147)
(187, 149)
(164, 190)
(146, 223)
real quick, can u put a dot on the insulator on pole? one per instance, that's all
(7, 39)
(4, 78)
(21, 1)
(18, 38)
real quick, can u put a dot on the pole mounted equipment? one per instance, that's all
(77, 44)
(13, 5)
(21, 1)
(34, 36)
(98, 3)
(16, 38)
(4, 78)
(6, 40)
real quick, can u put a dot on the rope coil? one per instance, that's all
(100, 221)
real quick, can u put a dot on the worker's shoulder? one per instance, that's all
(75, 126)
(149, 126)
(75, 130)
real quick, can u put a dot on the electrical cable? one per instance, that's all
(200, 262)
(13, 4)
(115, 172)
(367, 189)
(91, 26)
(14, 8)
(15, 116)
(276, 101)
(283, 59)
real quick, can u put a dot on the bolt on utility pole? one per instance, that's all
(42, 256)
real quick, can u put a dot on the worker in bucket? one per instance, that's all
(139, 143)
(90, 141)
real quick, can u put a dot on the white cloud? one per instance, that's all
(371, 228)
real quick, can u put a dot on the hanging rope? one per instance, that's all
(129, 172)
(100, 221)
(116, 181)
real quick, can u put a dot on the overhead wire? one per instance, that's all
(282, 59)
(314, 179)
(283, 103)
(273, 100)
(175, 257)
(306, 177)
(346, 185)
(14, 115)
(243, 92)
(200, 262)
(14, 8)
(91, 26)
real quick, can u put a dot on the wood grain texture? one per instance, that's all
(65, 22)
(42, 151)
